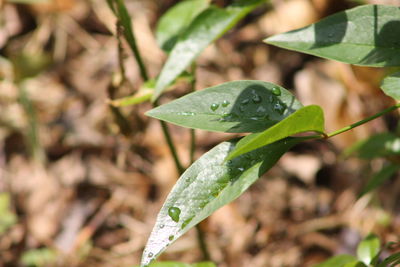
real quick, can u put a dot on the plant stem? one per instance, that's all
(354, 125)
(192, 131)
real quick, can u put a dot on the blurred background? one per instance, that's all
(81, 183)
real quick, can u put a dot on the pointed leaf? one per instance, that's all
(177, 19)
(207, 185)
(379, 178)
(391, 85)
(309, 118)
(368, 249)
(234, 107)
(205, 28)
(337, 261)
(367, 35)
(392, 260)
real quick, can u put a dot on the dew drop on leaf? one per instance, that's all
(150, 255)
(245, 101)
(171, 237)
(214, 106)
(280, 108)
(276, 91)
(161, 226)
(225, 103)
(174, 213)
(256, 99)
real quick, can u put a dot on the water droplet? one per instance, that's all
(162, 226)
(256, 99)
(245, 101)
(271, 98)
(280, 108)
(174, 213)
(276, 91)
(171, 237)
(225, 103)
(186, 113)
(241, 169)
(150, 255)
(261, 110)
(214, 106)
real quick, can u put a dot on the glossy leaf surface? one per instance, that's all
(337, 261)
(208, 184)
(380, 177)
(205, 28)
(234, 107)
(368, 249)
(175, 20)
(391, 85)
(367, 35)
(309, 118)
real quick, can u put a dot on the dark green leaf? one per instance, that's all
(309, 118)
(380, 145)
(391, 85)
(207, 185)
(175, 20)
(391, 261)
(368, 249)
(367, 35)
(379, 178)
(205, 28)
(239, 106)
(337, 261)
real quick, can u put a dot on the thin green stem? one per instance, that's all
(202, 243)
(354, 125)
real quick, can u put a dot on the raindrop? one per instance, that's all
(276, 91)
(225, 103)
(278, 107)
(174, 213)
(241, 169)
(256, 99)
(186, 113)
(214, 106)
(171, 237)
(150, 255)
(162, 226)
(261, 110)
(245, 101)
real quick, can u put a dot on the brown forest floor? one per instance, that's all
(89, 190)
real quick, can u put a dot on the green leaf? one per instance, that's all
(309, 118)
(355, 264)
(380, 145)
(337, 261)
(207, 185)
(142, 95)
(177, 19)
(205, 28)
(391, 261)
(379, 178)
(234, 107)
(180, 264)
(7, 217)
(391, 85)
(39, 257)
(367, 35)
(368, 249)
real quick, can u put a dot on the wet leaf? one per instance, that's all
(391, 85)
(207, 185)
(368, 249)
(205, 28)
(177, 19)
(367, 35)
(234, 107)
(309, 118)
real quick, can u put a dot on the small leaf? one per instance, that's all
(234, 107)
(177, 19)
(367, 35)
(392, 260)
(180, 264)
(380, 145)
(379, 178)
(207, 185)
(391, 85)
(337, 261)
(142, 95)
(309, 118)
(205, 28)
(368, 249)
